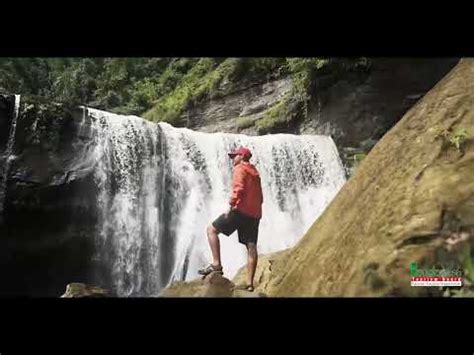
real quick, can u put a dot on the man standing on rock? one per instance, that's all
(244, 214)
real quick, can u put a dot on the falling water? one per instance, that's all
(128, 174)
(7, 155)
(160, 187)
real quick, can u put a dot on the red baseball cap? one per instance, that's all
(245, 152)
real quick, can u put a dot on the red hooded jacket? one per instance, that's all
(247, 196)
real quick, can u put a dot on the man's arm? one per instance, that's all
(238, 185)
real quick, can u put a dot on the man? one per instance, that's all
(244, 214)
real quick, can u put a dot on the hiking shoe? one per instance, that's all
(248, 288)
(208, 269)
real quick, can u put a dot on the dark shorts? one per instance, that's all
(247, 227)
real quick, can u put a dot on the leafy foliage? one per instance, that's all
(244, 122)
(458, 137)
(274, 116)
(161, 89)
(201, 81)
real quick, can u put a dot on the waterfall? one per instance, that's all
(128, 174)
(7, 155)
(160, 187)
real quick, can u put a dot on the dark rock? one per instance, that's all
(6, 111)
(365, 106)
(49, 215)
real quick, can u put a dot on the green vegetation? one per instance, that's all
(458, 137)
(161, 89)
(245, 122)
(470, 270)
(274, 116)
(124, 85)
(201, 81)
(468, 262)
(454, 139)
(468, 265)
(204, 79)
(295, 103)
(359, 157)
(303, 72)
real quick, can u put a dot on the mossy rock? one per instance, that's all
(80, 290)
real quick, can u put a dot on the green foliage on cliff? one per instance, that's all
(126, 85)
(160, 89)
(276, 115)
(470, 269)
(295, 103)
(458, 138)
(198, 82)
(204, 80)
(304, 73)
(245, 122)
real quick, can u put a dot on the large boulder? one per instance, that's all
(81, 290)
(411, 200)
(213, 285)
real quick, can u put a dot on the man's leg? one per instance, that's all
(212, 236)
(251, 262)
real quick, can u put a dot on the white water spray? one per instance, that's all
(160, 187)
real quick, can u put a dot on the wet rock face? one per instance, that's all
(6, 107)
(224, 113)
(358, 109)
(353, 108)
(48, 219)
(363, 106)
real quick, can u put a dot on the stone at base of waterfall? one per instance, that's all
(216, 285)
(247, 294)
(213, 285)
(79, 290)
